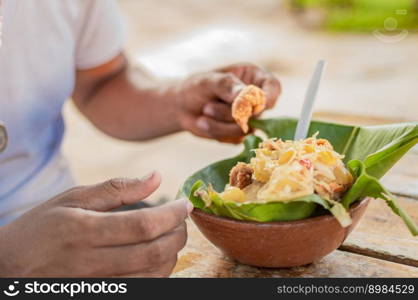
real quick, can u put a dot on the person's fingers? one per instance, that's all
(210, 128)
(144, 257)
(252, 74)
(272, 89)
(224, 86)
(232, 140)
(135, 226)
(114, 193)
(218, 111)
(236, 69)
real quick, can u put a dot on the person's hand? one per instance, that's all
(205, 100)
(74, 235)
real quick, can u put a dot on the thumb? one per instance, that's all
(225, 86)
(116, 192)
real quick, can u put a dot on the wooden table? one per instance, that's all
(380, 246)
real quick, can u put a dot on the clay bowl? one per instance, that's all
(277, 244)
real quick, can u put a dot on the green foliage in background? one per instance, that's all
(362, 15)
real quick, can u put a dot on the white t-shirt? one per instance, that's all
(44, 42)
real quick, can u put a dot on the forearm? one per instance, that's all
(127, 109)
(143, 109)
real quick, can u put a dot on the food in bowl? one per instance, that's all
(286, 171)
(279, 179)
(299, 224)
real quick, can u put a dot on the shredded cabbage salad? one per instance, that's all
(287, 170)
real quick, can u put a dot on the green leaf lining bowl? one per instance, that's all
(370, 151)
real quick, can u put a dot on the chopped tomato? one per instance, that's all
(306, 163)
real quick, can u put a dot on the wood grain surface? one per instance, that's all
(382, 234)
(201, 259)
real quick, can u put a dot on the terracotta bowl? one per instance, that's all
(277, 244)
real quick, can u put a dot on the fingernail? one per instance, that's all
(202, 124)
(208, 110)
(148, 176)
(236, 89)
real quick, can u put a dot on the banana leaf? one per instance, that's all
(298, 209)
(370, 151)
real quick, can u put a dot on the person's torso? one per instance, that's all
(37, 73)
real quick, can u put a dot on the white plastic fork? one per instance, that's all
(310, 97)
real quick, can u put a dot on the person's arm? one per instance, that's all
(111, 99)
(127, 109)
(75, 235)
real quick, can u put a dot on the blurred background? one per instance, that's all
(371, 78)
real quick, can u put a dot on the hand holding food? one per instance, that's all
(74, 235)
(211, 104)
